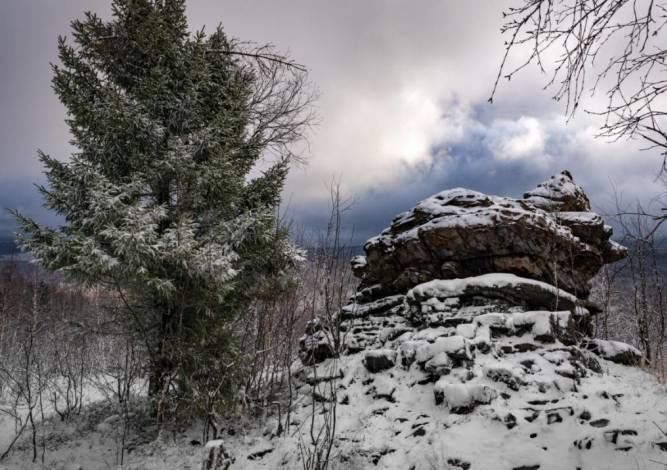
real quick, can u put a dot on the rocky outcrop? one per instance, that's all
(460, 255)
(549, 235)
(477, 305)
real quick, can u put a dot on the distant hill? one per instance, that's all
(661, 251)
(7, 245)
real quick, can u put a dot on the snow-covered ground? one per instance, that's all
(447, 377)
(390, 420)
(610, 422)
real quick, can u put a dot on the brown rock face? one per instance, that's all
(549, 235)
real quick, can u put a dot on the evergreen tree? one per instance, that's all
(157, 199)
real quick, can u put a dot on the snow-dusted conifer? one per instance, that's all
(157, 200)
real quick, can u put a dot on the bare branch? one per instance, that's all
(611, 46)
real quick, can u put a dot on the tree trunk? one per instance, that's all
(161, 366)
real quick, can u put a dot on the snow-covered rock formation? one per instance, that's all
(550, 235)
(468, 345)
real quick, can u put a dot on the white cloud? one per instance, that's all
(519, 140)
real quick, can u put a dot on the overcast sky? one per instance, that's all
(403, 105)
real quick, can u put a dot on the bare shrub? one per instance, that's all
(332, 286)
(48, 354)
(632, 292)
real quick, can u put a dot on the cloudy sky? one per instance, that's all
(403, 105)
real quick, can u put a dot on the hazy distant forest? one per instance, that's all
(175, 290)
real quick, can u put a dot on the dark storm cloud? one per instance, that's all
(403, 105)
(31, 117)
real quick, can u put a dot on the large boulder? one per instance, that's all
(550, 235)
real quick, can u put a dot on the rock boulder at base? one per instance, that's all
(216, 456)
(379, 359)
(614, 351)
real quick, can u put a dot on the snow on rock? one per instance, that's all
(506, 373)
(454, 346)
(216, 456)
(443, 289)
(462, 398)
(559, 193)
(550, 236)
(376, 307)
(379, 359)
(545, 326)
(614, 351)
(383, 388)
(315, 347)
(452, 301)
(358, 264)
(438, 365)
